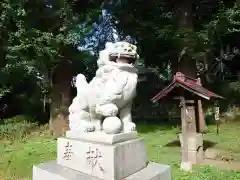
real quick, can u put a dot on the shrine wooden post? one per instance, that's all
(184, 129)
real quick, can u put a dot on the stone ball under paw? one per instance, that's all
(112, 125)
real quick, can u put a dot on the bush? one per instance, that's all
(16, 127)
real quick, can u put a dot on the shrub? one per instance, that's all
(16, 127)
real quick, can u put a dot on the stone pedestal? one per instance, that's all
(98, 156)
(195, 147)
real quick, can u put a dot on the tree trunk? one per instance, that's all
(186, 64)
(238, 3)
(206, 75)
(60, 97)
(3, 48)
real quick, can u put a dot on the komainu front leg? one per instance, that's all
(126, 117)
(80, 121)
(96, 120)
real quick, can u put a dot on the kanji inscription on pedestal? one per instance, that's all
(68, 152)
(93, 156)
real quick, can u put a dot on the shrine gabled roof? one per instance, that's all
(190, 84)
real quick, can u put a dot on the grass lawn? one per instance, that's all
(18, 156)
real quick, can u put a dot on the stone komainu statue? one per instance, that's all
(108, 97)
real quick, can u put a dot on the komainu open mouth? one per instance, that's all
(123, 58)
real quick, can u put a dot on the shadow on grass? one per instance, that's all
(206, 144)
(145, 125)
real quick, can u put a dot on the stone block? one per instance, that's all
(192, 156)
(53, 171)
(200, 155)
(195, 147)
(195, 156)
(104, 161)
(211, 153)
(102, 137)
(153, 171)
(195, 140)
(186, 166)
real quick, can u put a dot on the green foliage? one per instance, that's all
(35, 38)
(227, 21)
(16, 128)
(158, 23)
(41, 35)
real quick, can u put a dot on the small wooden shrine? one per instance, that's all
(189, 91)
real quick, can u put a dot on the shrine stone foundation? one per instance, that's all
(101, 156)
(195, 151)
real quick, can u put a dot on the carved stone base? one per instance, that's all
(100, 160)
(53, 171)
(108, 157)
